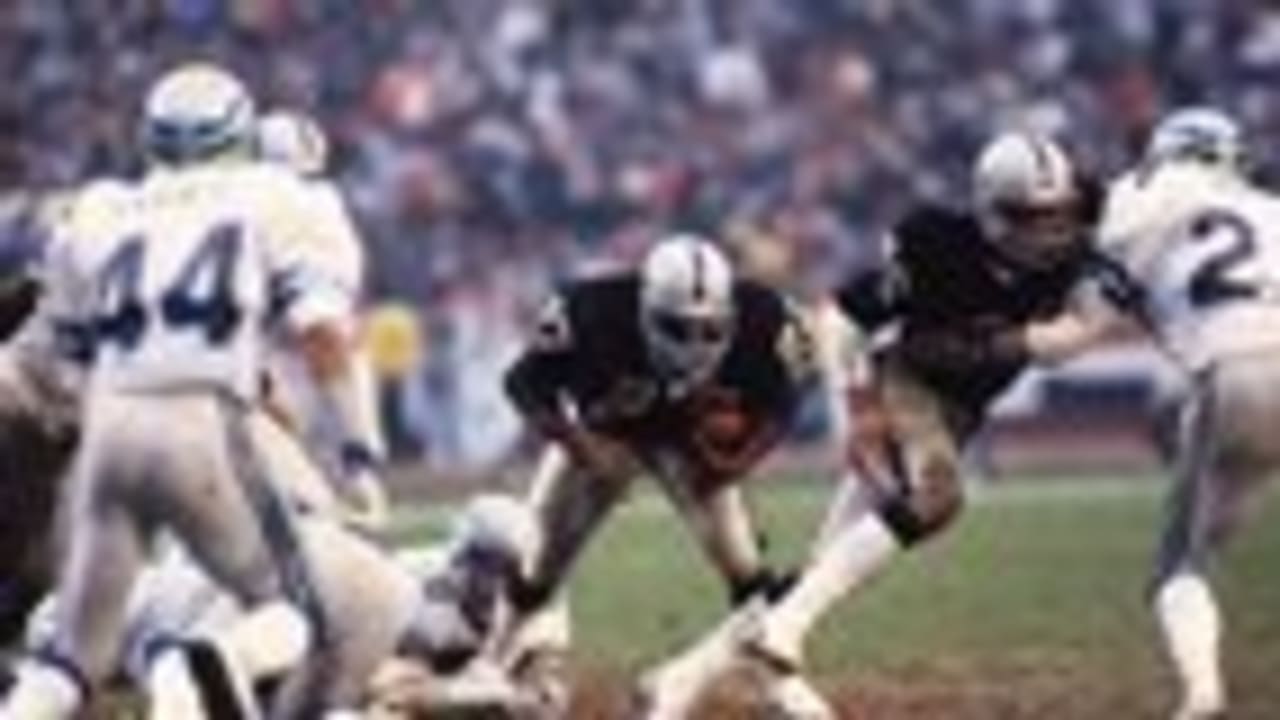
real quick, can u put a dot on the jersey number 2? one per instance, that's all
(200, 298)
(1217, 279)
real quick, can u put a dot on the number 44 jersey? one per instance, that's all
(178, 281)
(1204, 246)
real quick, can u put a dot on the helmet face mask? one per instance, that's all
(1027, 201)
(1037, 236)
(686, 309)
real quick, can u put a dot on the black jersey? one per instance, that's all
(590, 350)
(945, 282)
(18, 297)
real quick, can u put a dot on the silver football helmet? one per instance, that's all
(195, 113)
(1027, 199)
(686, 308)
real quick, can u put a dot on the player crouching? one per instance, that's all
(678, 370)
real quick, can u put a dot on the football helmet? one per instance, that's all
(496, 530)
(1027, 199)
(1197, 134)
(197, 112)
(294, 140)
(686, 308)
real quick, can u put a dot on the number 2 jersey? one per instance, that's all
(1204, 246)
(177, 281)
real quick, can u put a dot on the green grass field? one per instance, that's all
(1032, 607)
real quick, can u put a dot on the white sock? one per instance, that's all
(848, 502)
(171, 689)
(847, 560)
(267, 641)
(1192, 629)
(41, 692)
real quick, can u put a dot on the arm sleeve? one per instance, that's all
(308, 284)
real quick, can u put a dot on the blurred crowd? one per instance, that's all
(491, 146)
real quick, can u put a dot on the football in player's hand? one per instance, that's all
(722, 433)
(719, 418)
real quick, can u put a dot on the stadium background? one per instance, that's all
(490, 147)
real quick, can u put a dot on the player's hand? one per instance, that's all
(365, 497)
(398, 689)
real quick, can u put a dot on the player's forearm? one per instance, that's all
(964, 349)
(1068, 335)
(345, 382)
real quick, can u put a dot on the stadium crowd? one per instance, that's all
(490, 146)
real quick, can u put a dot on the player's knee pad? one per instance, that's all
(924, 507)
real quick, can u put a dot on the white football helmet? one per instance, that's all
(1197, 134)
(294, 140)
(686, 307)
(496, 528)
(1027, 199)
(197, 112)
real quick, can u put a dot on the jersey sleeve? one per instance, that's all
(65, 310)
(304, 286)
(873, 296)
(343, 253)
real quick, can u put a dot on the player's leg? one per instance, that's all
(369, 599)
(1225, 453)
(721, 522)
(571, 504)
(37, 437)
(287, 463)
(906, 464)
(223, 505)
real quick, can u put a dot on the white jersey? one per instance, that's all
(179, 279)
(336, 236)
(1205, 247)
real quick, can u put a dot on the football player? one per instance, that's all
(39, 407)
(172, 283)
(296, 141)
(944, 320)
(677, 370)
(1198, 240)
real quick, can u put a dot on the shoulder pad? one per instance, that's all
(553, 331)
(795, 346)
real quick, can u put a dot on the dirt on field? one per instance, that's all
(1045, 691)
